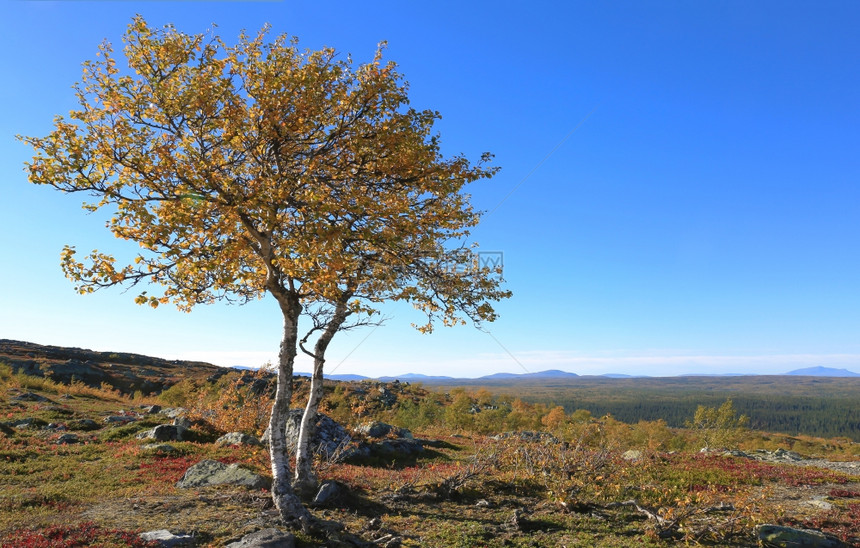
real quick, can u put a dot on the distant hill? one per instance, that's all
(549, 374)
(823, 372)
(415, 377)
(347, 377)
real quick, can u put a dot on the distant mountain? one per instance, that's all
(717, 374)
(823, 372)
(414, 377)
(348, 377)
(549, 374)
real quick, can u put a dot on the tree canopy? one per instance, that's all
(262, 167)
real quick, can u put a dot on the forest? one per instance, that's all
(813, 406)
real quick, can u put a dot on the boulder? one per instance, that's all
(237, 438)
(400, 446)
(777, 536)
(67, 439)
(29, 396)
(265, 538)
(328, 491)
(184, 422)
(151, 409)
(164, 432)
(120, 419)
(212, 472)
(173, 412)
(329, 438)
(376, 429)
(83, 424)
(29, 422)
(167, 539)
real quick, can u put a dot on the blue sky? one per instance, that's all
(685, 177)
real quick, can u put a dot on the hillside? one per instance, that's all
(475, 470)
(121, 370)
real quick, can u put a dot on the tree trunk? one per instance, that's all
(287, 503)
(305, 481)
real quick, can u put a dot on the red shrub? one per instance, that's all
(75, 536)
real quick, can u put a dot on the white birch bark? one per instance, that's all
(305, 481)
(289, 505)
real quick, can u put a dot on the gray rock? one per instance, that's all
(528, 436)
(791, 456)
(83, 424)
(151, 409)
(632, 455)
(164, 432)
(329, 438)
(159, 448)
(167, 539)
(120, 419)
(780, 455)
(376, 429)
(67, 439)
(777, 536)
(237, 438)
(184, 422)
(821, 504)
(389, 447)
(329, 490)
(174, 412)
(265, 538)
(29, 422)
(212, 472)
(29, 396)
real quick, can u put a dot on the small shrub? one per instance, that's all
(243, 405)
(181, 394)
(718, 427)
(82, 534)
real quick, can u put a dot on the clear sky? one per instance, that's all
(680, 184)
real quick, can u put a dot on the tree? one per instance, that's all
(718, 426)
(555, 419)
(259, 169)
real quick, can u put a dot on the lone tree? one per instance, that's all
(262, 168)
(718, 427)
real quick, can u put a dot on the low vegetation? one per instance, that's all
(494, 471)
